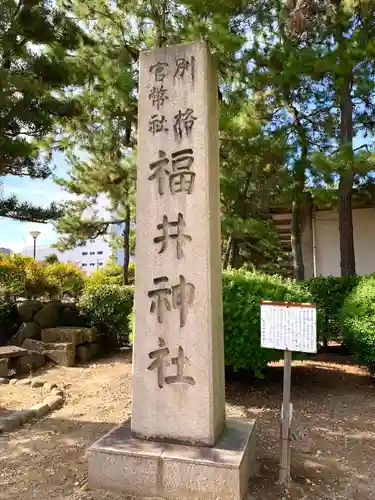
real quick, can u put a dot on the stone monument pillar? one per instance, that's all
(179, 444)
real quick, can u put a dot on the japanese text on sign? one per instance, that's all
(288, 326)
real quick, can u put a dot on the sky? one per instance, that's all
(15, 234)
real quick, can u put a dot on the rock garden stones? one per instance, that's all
(76, 336)
(29, 330)
(49, 316)
(28, 308)
(53, 400)
(4, 370)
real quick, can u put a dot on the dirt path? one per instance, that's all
(332, 459)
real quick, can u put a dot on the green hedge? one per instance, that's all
(358, 322)
(108, 308)
(242, 293)
(111, 273)
(329, 294)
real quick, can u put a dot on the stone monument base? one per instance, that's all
(119, 462)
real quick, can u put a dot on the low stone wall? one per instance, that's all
(34, 316)
(65, 346)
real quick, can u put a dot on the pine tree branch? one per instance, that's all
(14, 209)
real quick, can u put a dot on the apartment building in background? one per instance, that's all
(90, 257)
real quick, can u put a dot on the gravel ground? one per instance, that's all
(332, 458)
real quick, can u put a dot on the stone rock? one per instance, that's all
(10, 423)
(12, 351)
(86, 352)
(32, 361)
(40, 409)
(36, 382)
(4, 370)
(25, 415)
(49, 316)
(83, 354)
(71, 317)
(64, 356)
(56, 303)
(4, 381)
(66, 334)
(24, 381)
(26, 331)
(13, 381)
(62, 353)
(28, 308)
(58, 392)
(34, 345)
(48, 386)
(54, 401)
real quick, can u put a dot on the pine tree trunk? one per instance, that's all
(298, 194)
(347, 255)
(126, 247)
(298, 266)
(227, 253)
(233, 255)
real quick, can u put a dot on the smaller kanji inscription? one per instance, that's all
(158, 96)
(184, 66)
(159, 361)
(183, 123)
(157, 123)
(179, 236)
(159, 70)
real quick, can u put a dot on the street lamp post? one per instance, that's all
(35, 234)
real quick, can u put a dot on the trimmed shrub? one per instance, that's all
(65, 279)
(242, 293)
(12, 276)
(108, 308)
(329, 294)
(358, 322)
(109, 274)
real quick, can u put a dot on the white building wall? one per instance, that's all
(89, 257)
(327, 243)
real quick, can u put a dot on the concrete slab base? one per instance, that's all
(119, 462)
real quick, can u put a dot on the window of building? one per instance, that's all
(84, 253)
(100, 264)
(92, 253)
(92, 263)
(84, 264)
(100, 252)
